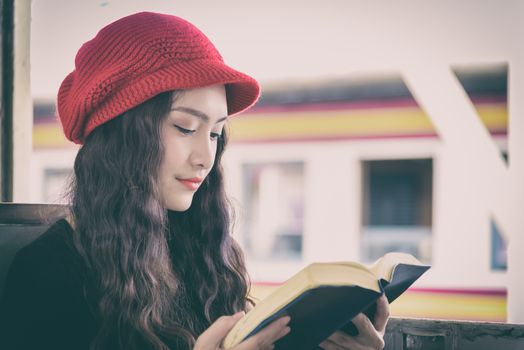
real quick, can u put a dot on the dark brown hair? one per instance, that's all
(156, 278)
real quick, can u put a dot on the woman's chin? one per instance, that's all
(178, 205)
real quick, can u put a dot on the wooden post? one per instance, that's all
(6, 107)
(22, 102)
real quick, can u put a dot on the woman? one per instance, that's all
(145, 260)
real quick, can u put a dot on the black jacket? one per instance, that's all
(43, 304)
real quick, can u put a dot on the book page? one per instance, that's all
(383, 268)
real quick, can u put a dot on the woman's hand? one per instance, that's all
(370, 335)
(213, 336)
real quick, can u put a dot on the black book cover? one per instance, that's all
(317, 313)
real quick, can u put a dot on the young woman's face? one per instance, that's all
(190, 134)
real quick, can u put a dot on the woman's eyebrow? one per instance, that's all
(196, 113)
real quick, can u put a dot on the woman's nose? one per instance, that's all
(203, 152)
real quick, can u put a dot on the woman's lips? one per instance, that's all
(192, 183)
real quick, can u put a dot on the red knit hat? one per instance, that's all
(137, 57)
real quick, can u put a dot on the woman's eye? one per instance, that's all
(215, 136)
(185, 131)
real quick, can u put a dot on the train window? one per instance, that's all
(273, 210)
(498, 248)
(55, 183)
(487, 87)
(397, 207)
(53, 155)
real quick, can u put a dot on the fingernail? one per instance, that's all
(286, 331)
(285, 320)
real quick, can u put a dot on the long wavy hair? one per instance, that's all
(156, 278)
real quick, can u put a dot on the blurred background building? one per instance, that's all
(339, 160)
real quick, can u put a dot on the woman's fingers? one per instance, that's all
(364, 325)
(381, 315)
(368, 337)
(341, 341)
(370, 334)
(211, 338)
(266, 337)
(367, 334)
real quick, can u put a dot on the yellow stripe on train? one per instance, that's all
(311, 125)
(434, 304)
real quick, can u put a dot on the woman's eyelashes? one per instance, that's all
(186, 132)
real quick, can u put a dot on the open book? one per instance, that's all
(324, 297)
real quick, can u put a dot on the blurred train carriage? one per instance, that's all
(349, 169)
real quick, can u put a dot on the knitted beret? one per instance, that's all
(137, 57)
